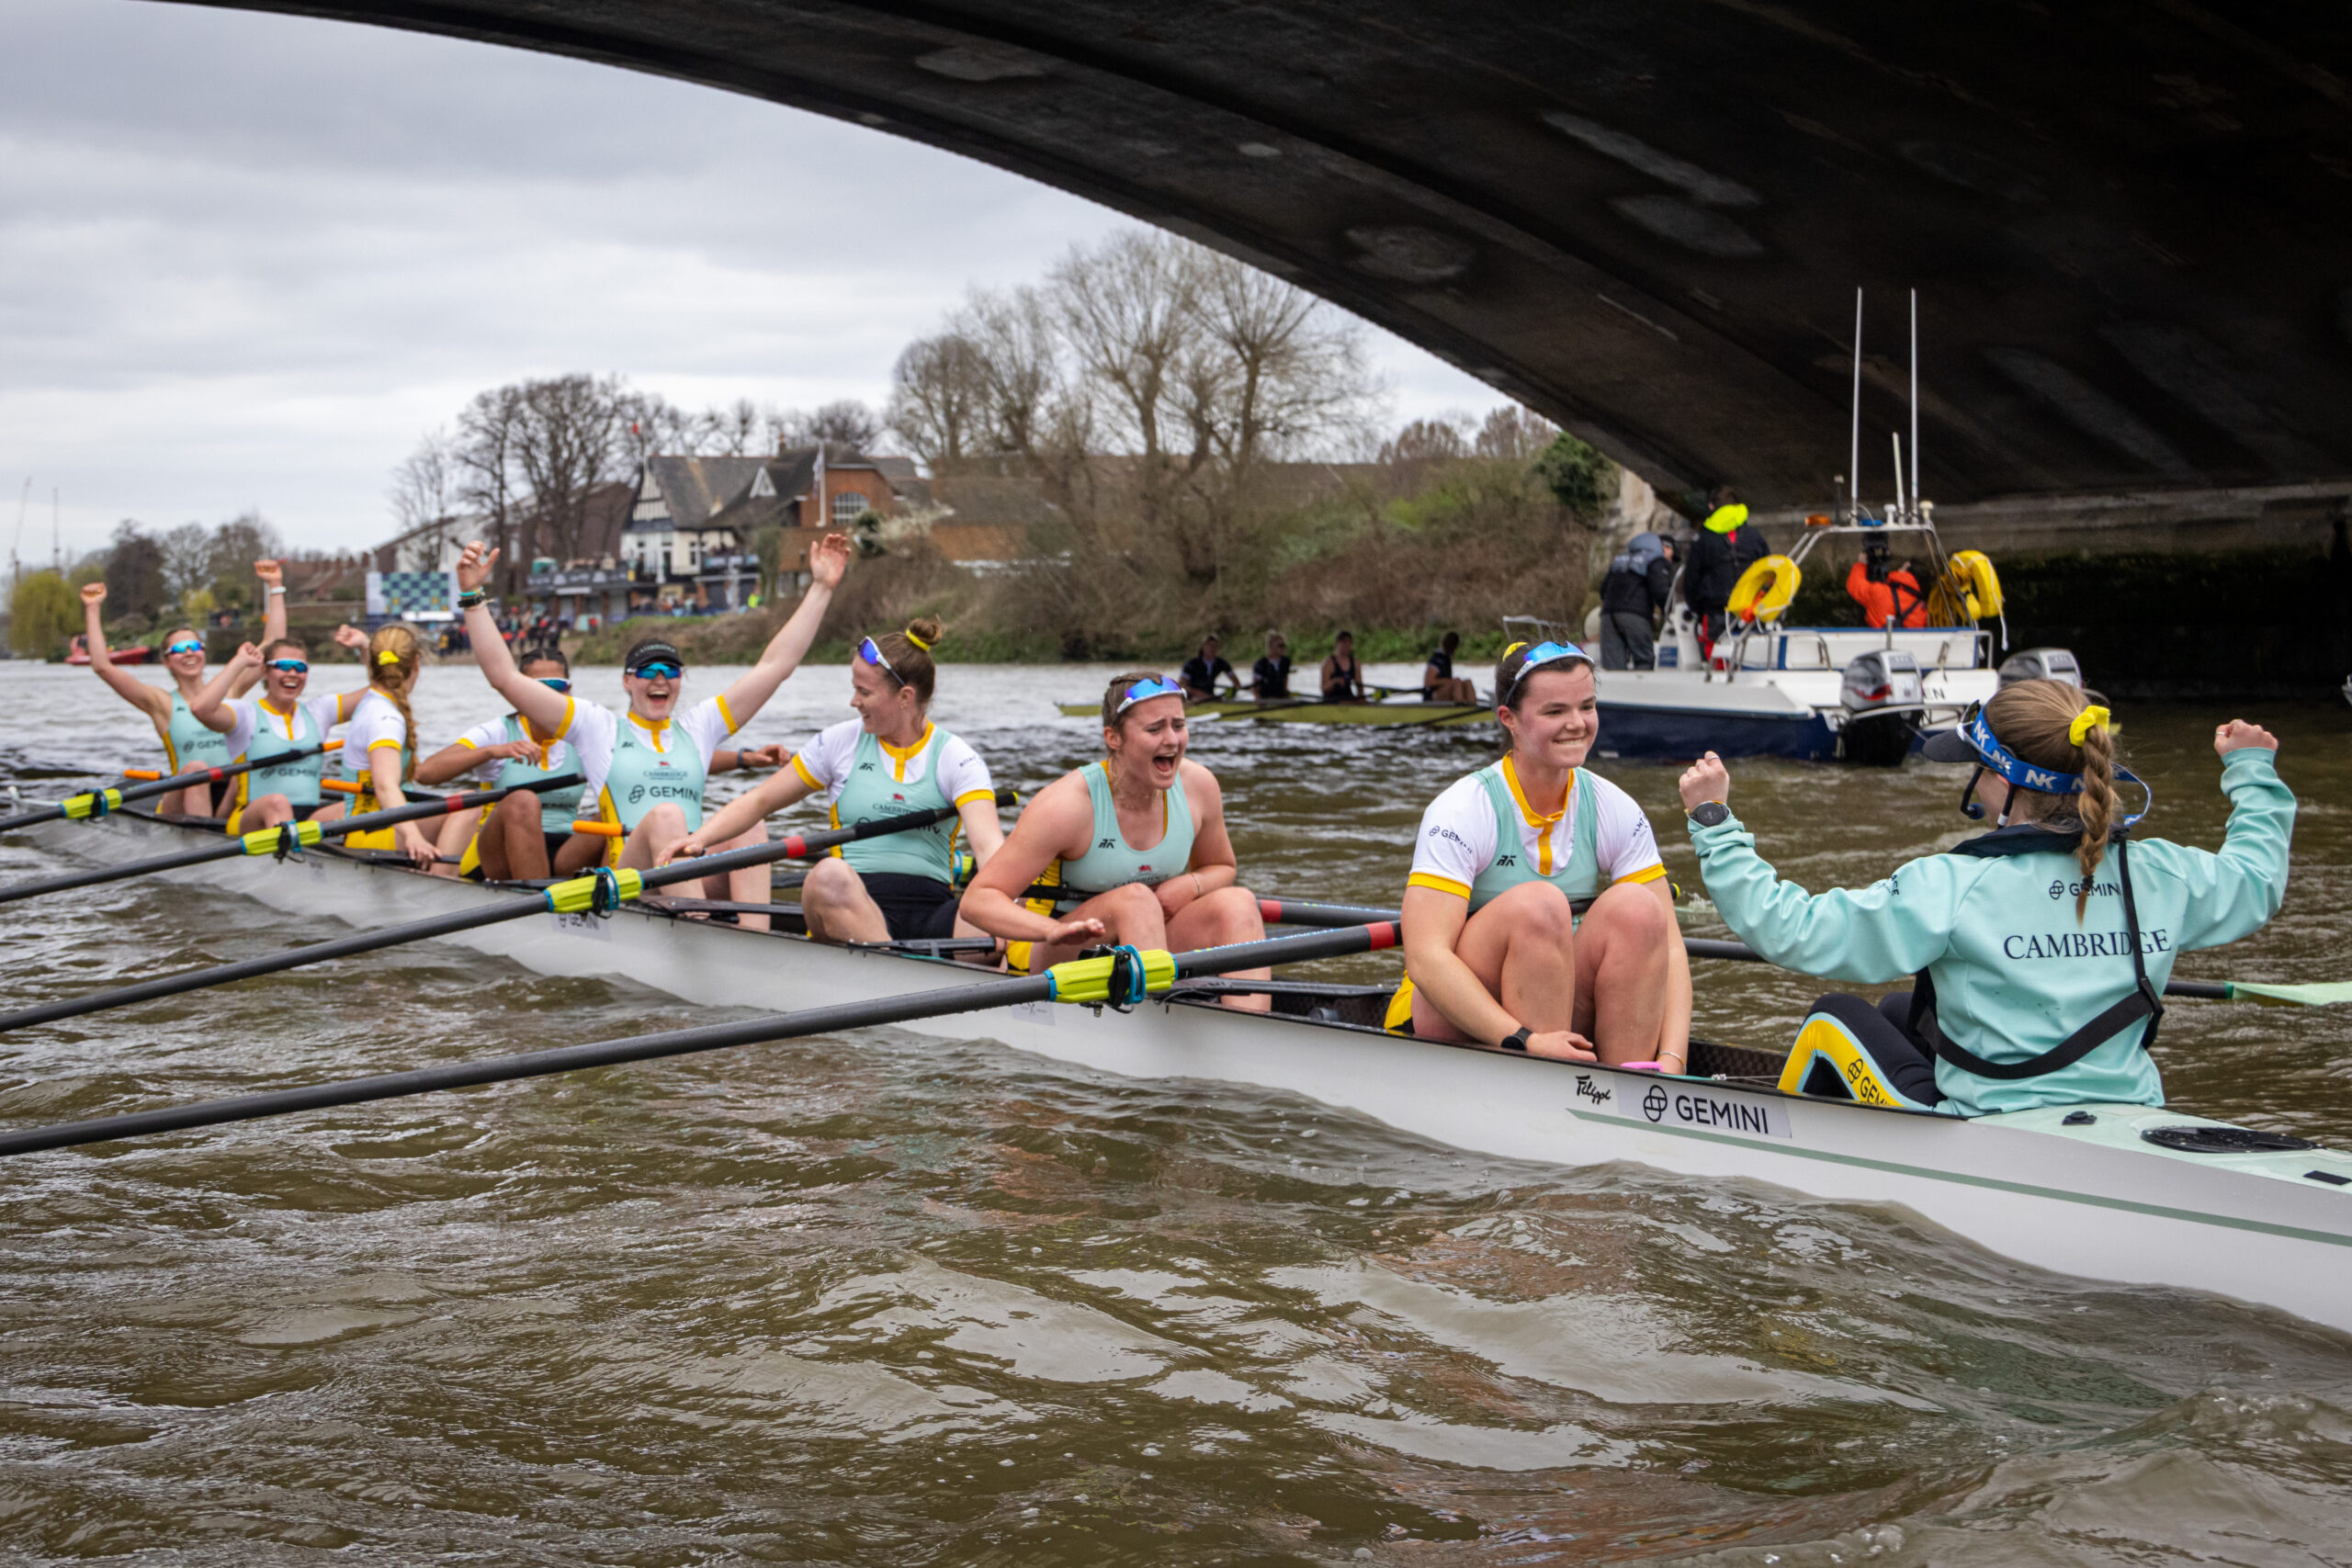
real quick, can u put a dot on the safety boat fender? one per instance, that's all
(1972, 587)
(1764, 589)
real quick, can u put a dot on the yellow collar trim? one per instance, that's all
(908, 753)
(653, 729)
(1537, 818)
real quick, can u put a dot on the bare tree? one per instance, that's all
(1514, 435)
(422, 484)
(234, 547)
(1427, 441)
(938, 399)
(1029, 403)
(187, 560)
(735, 430)
(846, 422)
(490, 435)
(569, 443)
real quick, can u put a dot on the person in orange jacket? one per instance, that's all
(1886, 596)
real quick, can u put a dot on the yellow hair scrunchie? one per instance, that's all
(386, 656)
(2093, 716)
(910, 636)
(1514, 647)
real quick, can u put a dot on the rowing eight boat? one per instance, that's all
(2078, 1189)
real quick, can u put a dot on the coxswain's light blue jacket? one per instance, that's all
(2014, 972)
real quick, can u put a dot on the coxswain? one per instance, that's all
(188, 743)
(264, 729)
(888, 760)
(2038, 953)
(645, 769)
(1270, 677)
(1887, 595)
(1131, 850)
(1439, 683)
(1205, 670)
(1342, 676)
(527, 836)
(1537, 915)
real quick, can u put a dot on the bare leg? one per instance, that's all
(514, 845)
(838, 906)
(576, 853)
(746, 883)
(1523, 948)
(1130, 915)
(1621, 980)
(265, 811)
(456, 833)
(334, 813)
(1216, 919)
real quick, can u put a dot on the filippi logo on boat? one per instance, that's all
(1702, 1112)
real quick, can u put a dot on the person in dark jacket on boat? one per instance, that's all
(1270, 677)
(1727, 545)
(2040, 952)
(1631, 595)
(1206, 670)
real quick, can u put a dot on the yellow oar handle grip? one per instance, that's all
(263, 840)
(600, 830)
(578, 897)
(81, 806)
(1087, 980)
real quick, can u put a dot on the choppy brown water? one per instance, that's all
(879, 1300)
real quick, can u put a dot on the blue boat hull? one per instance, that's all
(1654, 734)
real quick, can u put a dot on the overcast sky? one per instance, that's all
(246, 260)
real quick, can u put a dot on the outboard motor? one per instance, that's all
(1885, 705)
(2041, 664)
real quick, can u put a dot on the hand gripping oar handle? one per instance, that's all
(283, 839)
(97, 802)
(1079, 980)
(1295, 912)
(591, 894)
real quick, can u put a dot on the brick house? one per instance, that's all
(695, 523)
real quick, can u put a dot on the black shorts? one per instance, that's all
(913, 908)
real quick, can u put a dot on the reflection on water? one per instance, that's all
(886, 1299)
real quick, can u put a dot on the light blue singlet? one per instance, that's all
(561, 804)
(1578, 876)
(870, 793)
(297, 780)
(189, 742)
(1112, 862)
(642, 777)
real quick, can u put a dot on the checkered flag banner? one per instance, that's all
(413, 595)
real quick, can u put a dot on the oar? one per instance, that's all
(98, 802)
(1121, 979)
(281, 839)
(594, 894)
(1293, 912)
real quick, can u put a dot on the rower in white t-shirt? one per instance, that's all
(1537, 915)
(527, 836)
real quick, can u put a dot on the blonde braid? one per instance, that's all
(396, 680)
(2098, 807)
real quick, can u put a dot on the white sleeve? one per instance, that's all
(592, 731)
(1456, 840)
(325, 712)
(377, 722)
(1622, 840)
(706, 725)
(962, 775)
(481, 735)
(824, 761)
(247, 715)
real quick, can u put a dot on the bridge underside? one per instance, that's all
(2129, 222)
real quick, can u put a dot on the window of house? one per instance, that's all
(849, 506)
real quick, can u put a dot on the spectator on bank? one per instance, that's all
(1631, 595)
(1726, 545)
(1203, 670)
(1439, 683)
(1270, 677)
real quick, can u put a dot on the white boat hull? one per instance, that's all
(2091, 1201)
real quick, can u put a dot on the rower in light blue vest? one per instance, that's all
(190, 743)
(2040, 952)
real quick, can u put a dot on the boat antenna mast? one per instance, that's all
(1854, 456)
(1918, 505)
(16, 568)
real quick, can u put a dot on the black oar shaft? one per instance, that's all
(227, 849)
(985, 994)
(124, 796)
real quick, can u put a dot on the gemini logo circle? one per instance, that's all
(1654, 1103)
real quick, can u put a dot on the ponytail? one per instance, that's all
(2063, 728)
(394, 657)
(2098, 768)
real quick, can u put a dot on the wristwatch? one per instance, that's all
(1710, 813)
(1516, 1039)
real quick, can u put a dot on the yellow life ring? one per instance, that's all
(1969, 590)
(1764, 589)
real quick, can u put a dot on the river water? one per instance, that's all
(882, 1299)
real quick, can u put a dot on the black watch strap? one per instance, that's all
(1518, 1038)
(1710, 813)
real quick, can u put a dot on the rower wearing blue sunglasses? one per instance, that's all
(278, 731)
(1131, 850)
(1537, 915)
(187, 742)
(522, 836)
(645, 769)
(888, 760)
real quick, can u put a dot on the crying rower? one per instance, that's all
(2040, 950)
